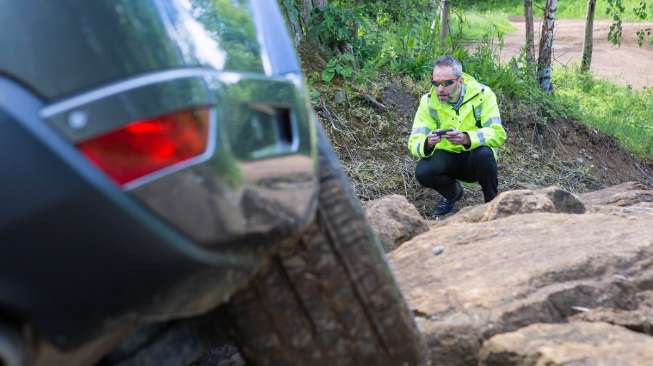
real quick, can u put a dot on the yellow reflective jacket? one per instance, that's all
(477, 114)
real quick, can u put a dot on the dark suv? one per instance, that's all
(165, 183)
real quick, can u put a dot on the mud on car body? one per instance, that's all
(162, 170)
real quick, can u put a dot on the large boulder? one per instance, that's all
(625, 194)
(639, 320)
(523, 201)
(512, 266)
(395, 220)
(574, 344)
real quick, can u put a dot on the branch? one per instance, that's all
(375, 102)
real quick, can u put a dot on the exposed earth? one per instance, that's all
(627, 64)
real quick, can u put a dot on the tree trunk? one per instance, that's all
(293, 17)
(589, 33)
(311, 5)
(530, 43)
(546, 46)
(444, 22)
(298, 14)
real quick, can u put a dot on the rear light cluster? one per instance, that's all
(144, 147)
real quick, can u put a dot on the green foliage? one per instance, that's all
(615, 9)
(616, 110)
(645, 33)
(342, 65)
(335, 25)
(567, 9)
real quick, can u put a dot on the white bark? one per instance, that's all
(546, 46)
(589, 34)
(530, 37)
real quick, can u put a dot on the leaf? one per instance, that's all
(347, 72)
(411, 42)
(328, 74)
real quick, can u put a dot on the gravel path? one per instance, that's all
(628, 64)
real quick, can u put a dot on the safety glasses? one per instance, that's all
(445, 83)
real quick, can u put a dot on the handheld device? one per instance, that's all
(441, 132)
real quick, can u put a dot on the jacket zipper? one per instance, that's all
(465, 102)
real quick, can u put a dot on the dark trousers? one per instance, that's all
(441, 170)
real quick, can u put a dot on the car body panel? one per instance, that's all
(72, 45)
(83, 259)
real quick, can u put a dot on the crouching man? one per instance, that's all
(456, 133)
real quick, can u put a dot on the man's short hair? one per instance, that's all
(449, 61)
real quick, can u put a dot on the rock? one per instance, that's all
(636, 320)
(625, 194)
(226, 355)
(500, 275)
(395, 220)
(573, 344)
(437, 250)
(640, 320)
(624, 211)
(340, 97)
(523, 201)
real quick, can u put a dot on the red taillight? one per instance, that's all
(146, 146)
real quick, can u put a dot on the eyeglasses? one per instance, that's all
(445, 83)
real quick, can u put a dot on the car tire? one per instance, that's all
(329, 297)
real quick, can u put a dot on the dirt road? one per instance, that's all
(628, 64)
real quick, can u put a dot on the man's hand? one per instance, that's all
(431, 140)
(458, 137)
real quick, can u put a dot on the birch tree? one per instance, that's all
(546, 47)
(444, 22)
(530, 37)
(589, 34)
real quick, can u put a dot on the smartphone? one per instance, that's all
(441, 132)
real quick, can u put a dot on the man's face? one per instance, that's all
(447, 85)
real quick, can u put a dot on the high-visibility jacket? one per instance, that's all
(477, 114)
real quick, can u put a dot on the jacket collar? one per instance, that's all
(471, 88)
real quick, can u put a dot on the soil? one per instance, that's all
(627, 64)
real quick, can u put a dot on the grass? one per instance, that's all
(616, 110)
(477, 25)
(567, 9)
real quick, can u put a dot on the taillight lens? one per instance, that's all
(144, 147)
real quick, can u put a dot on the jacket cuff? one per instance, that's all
(425, 153)
(476, 139)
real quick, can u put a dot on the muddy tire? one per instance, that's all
(328, 298)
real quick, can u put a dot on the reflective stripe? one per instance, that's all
(481, 137)
(421, 130)
(492, 121)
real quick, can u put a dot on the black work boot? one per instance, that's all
(445, 206)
